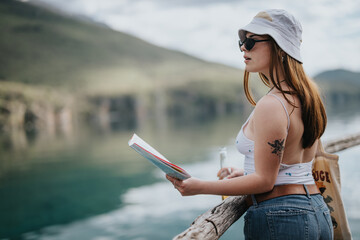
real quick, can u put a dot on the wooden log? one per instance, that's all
(342, 144)
(213, 223)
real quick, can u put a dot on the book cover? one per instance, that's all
(156, 158)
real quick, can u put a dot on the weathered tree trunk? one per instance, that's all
(213, 223)
(342, 144)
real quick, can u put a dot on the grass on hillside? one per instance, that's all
(42, 47)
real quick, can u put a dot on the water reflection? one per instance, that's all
(152, 211)
(66, 179)
(90, 183)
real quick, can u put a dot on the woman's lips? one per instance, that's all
(247, 59)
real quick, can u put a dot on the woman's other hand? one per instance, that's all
(187, 187)
(230, 172)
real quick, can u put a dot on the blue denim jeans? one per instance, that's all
(289, 217)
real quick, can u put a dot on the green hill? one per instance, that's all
(339, 75)
(88, 68)
(339, 81)
(39, 46)
(341, 88)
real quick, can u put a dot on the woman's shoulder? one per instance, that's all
(276, 99)
(271, 110)
(270, 103)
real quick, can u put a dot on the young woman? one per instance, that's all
(279, 139)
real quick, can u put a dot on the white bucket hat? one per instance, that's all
(283, 27)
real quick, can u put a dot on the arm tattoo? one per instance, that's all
(277, 147)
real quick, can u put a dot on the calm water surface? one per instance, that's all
(91, 185)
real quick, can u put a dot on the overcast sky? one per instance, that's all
(208, 28)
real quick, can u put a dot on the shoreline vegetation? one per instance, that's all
(58, 72)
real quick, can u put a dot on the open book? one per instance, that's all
(156, 158)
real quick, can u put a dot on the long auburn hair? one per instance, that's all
(312, 108)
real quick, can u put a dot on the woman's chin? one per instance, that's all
(253, 69)
(250, 69)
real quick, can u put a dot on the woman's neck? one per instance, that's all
(278, 78)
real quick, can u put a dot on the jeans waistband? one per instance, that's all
(283, 190)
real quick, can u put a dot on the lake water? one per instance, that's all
(92, 186)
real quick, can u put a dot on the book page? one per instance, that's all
(157, 158)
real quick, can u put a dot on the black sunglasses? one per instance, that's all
(250, 43)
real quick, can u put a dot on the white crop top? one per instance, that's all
(299, 173)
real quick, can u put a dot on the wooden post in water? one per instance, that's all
(213, 223)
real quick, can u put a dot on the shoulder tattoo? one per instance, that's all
(277, 147)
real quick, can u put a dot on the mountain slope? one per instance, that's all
(339, 75)
(339, 81)
(42, 47)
